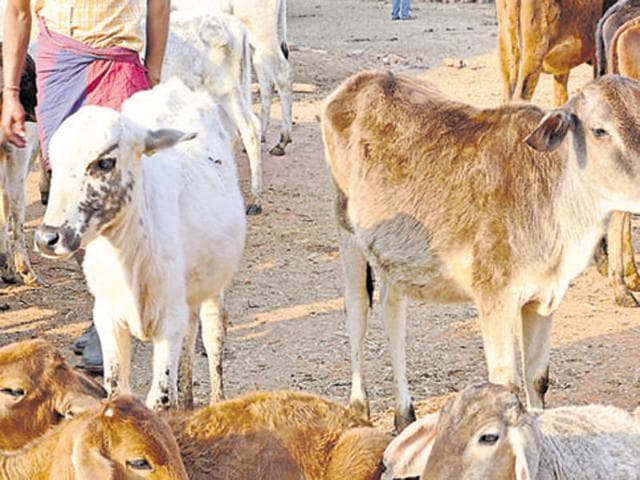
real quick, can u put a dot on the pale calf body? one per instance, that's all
(618, 51)
(163, 233)
(484, 432)
(447, 203)
(211, 51)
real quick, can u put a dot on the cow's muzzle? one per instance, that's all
(56, 242)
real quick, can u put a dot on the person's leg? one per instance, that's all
(395, 9)
(405, 11)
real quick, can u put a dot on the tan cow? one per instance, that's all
(550, 36)
(451, 203)
(618, 51)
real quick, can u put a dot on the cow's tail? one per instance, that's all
(601, 49)
(282, 28)
(245, 68)
(370, 284)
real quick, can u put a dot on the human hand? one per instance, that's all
(153, 77)
(13, 115)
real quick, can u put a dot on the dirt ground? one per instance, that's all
(285, 304)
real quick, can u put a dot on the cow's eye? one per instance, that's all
(488, 439)
(599, 132)
(139, 464)
(105, 164)
(13, 392)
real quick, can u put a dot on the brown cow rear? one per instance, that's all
(550, 36)
(448, 203)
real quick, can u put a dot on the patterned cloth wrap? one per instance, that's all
(71, 74)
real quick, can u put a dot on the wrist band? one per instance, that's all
(10, 88)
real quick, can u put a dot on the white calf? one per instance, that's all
(266, 21)
(211, 51)
(163, 225)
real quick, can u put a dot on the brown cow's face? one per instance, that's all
(96, 161)
(37, 390)
(604, 139)
(134, 443)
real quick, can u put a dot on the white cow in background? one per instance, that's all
(161, 216)
(211, 51)
(266, 21)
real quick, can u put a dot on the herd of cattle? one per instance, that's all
(435, 200)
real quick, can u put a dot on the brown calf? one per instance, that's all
(451, 203)
(284, 435)
(550, 36)
(37, 390)
(121, 439)
(618, 51)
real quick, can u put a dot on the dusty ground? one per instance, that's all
(285, 303)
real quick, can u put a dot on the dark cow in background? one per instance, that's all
(545, 36)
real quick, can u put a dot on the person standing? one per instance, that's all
(401, 10)
(88, 53)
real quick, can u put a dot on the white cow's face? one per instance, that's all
(95, 159)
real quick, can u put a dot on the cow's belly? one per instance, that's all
(401, 253)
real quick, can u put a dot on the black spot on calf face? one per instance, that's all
(107, 200)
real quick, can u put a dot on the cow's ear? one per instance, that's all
(551, 130)
(164, 138)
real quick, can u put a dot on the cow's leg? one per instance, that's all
(264, 75)
(185, 371)
(17, 176)
(212, 318)
(356, 303)
(560, 93)
(243, 118)
(167, 346)
(535, 348)
(395, 320)
(631, 275)
(500, 322)
(615, 241)
(284, 86)
(115, 341)
(508, 48)
(7, 270)
(44, 184)
(533, 51)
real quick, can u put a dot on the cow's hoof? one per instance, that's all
(402, 419)
(277, 151)
(254, 209)
(633, 283)
(32, 280)
(627, 300)
(10, 279)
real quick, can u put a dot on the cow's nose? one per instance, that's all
(47, 238)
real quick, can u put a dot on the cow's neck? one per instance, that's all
(580, 217)
(32, 461)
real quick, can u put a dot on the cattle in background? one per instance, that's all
(266, 21)
(450, 203)
(211, 51)
(618, 51)
(161, 216)
(550, 36)
(14, 168)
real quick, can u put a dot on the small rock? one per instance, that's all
(4, 307)
(454, 62)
